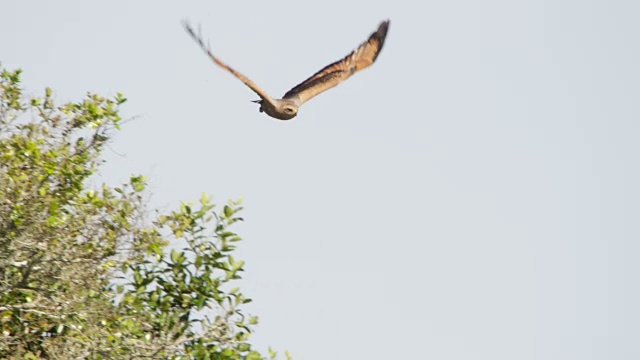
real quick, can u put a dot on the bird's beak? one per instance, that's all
(256, 101)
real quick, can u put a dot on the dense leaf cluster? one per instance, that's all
(83, 272)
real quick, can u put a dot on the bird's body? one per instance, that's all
(331, 75)
(281, 109)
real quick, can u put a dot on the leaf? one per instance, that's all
(238, 265)
(228, 211)
(112, 287)
(175, 256)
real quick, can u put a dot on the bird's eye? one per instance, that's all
(289, 110)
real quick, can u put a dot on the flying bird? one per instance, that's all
(331, 75)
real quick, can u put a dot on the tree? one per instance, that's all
(84, 274)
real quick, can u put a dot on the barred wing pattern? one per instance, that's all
(198, 39)
(330, 76)
(339, 71)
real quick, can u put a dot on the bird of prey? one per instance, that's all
(330, 76)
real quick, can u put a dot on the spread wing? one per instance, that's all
(198, 38)
(341, 70)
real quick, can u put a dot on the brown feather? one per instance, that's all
(339, 71)
(263, 95)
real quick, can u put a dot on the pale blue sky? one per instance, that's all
(472, 195)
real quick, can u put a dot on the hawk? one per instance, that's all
(331, 75)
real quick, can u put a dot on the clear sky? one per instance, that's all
(472, 195)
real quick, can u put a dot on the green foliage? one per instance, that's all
(84, 274)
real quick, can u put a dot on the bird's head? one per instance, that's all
(286, 109)
(290, 110)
